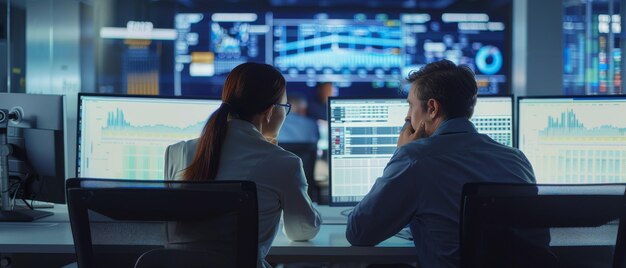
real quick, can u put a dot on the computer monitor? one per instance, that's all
(363, 134)
(33, 126)
(125, 137)
(493, 115)
(358, 49)
(574, 140)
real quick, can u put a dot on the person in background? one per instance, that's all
(318, 106)
(439, 150)
(239, 143)
(298, 128)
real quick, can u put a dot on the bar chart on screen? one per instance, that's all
(142, 144)
(580, 141)
(127, 137)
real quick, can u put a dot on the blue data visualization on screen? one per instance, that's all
(349, 47)
(378, 47)
(574, 140)
(364, 134)
(125, 137)
(210, 45)
(473, 39)
(342, 47)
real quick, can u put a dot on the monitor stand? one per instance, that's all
(7, 213)
(23, 215)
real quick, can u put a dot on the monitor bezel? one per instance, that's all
(572, 97)
(511, 98)
(328, 111)
(117, 96)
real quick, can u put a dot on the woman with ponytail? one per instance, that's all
(239, 143)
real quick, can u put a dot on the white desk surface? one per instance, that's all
(53, 235)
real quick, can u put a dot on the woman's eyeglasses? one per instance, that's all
(287, 107)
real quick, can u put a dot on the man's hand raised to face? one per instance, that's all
(408, 134)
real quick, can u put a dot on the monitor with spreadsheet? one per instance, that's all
(363, 134)
(124, 137)
(572, 140)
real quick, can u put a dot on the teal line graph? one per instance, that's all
(567, 124)
(568, 151)
(142, 146)
(345, 44)
(118, 126)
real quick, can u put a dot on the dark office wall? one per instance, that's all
(87, 51)
(537, 47)
(3, 66)
(3, 48)
(18, 48)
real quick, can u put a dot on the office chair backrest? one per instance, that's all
(508, 225)
(157, 202)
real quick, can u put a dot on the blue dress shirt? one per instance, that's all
(421, 187)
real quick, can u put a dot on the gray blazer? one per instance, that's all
(281, 185)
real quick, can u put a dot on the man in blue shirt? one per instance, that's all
(439, 150)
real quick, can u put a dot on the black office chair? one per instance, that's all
(308, 153)
(109, 217)
(509, 225)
